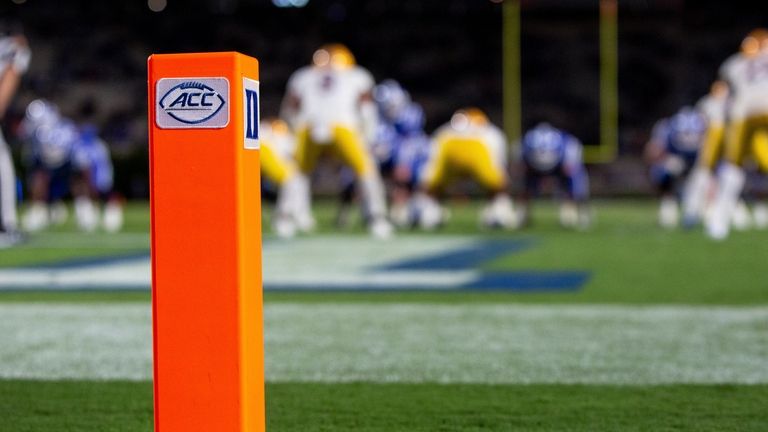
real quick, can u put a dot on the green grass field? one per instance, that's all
(669, 333)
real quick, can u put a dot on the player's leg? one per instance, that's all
(700, 180)
(574, 211)
(403, 183)
(353, 152)
(695, 191)
(8, 218)
(760, 152)
(434, 175)
(86, 212)
(346, 197)
(113, 217)
(307, 153)
(531, 182)
(277, 171)
(499, 212)
(35, 217)
(101, 181)
(731, 178)
(664, 180)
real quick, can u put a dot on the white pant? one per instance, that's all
(8, 220)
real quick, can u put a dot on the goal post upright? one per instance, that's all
(607, 149)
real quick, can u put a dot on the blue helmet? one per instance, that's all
(544, 146)
(41, 112)
(687, 128)
(391, 97)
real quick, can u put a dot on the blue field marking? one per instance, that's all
(529, 281)
(450, 265)
(469, 257)
(481, 252)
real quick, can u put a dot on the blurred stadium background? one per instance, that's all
(88, 53)
(625, 326)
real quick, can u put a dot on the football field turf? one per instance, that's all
(622, 327)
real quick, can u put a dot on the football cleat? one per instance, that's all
(86, 214)
(381, 229)
(760, 215)
(113, 217)
(668, 213)
(741, 220)
(35, 218)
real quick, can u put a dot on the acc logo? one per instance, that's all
(192, 103)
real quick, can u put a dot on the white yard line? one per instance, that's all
(417, 343)
(66, 240)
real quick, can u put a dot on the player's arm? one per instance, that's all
(573, 162)
(728, 73)
(291, 104)
(289, 108)
(369, 115)
(655, 149)
(11, 78)
(499, 146)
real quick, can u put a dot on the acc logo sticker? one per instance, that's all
(187, 103)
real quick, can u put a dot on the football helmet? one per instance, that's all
(466, 117)
(334, 55)
(754, 42)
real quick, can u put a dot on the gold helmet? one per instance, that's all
(467, 117)
(335, 55)
(756, 40)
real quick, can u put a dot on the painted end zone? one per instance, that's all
(331, 264)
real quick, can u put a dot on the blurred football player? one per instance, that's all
(467, 145)
(747, 134)
(330, 106)
(401, 145)
(14, 61)
(713, 107)
(278, 166)
(64, 158)
(671, 153)
(549, 152)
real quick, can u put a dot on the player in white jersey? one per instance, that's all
(467, 145)
(278, 166)
(14, 61)
(747, 135)
(330, 107)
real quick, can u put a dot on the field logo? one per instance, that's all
(186, 103)
(251, 113)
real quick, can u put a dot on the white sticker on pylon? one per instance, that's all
(251, 113)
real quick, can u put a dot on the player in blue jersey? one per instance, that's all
(66, 159)
(549, 152)
(400, 147)
(671, 153)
